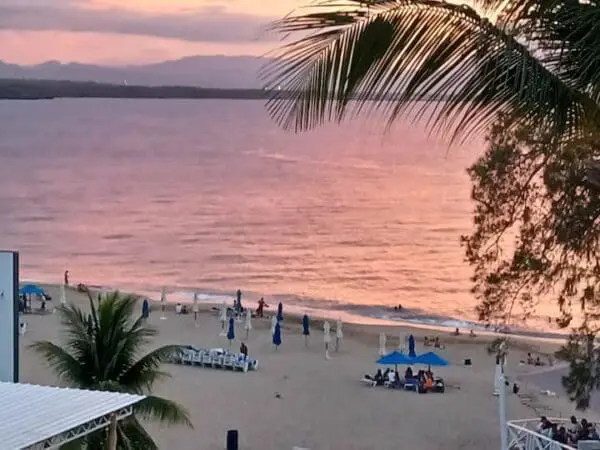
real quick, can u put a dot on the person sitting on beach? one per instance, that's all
(244, 349)
(426, 342)
(408, 373)
(472, 334)
(428, 383)
(456, 332)
(437, 343)
(529, 359)
(543, 425)
(378, 377)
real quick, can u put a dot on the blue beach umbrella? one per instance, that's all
(231, 331)
(395, 358)
(411, 347)
(31, 289)
(277, 336)
(431, 359)
(145, 309)
(305, 328)
(280, 312)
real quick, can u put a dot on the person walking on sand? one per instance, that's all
(261, 307)
(66, 277)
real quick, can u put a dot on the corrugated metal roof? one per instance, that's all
(30, 414)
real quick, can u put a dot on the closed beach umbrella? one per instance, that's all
(326, 337)
(305, 328)
(339, 335)
(280, 311)
(163, 303)
(248, 324)
(145, 309)
(277, 336)
(238, 296)
(195, 308)
(382, 339)
(274, 322)
(401, 340)
(231, 331)
(63, 295)
(223, 318)
(411, 346)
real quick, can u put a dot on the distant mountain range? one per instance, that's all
(212, 72)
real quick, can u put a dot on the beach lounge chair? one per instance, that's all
(410, 384)
(367, 380)
(252, 364)
(241, 364)
(188, 357)
(228, 362)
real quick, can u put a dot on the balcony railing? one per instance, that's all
(522, 435)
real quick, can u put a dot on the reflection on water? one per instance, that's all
(210, 194)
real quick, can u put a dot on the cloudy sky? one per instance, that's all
(134, 31)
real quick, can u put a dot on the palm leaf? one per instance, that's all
(391, 54)
(145, 371)
(163, 410)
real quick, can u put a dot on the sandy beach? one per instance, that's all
(321, 404)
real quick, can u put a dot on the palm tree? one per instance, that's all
(537, 61)
(102, 352)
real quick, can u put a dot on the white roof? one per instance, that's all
(30, 414)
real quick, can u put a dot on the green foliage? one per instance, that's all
(102, 350)
(536, 235)
(536, 228)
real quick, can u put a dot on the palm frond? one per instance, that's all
(145, 371)
(132, 436)
(163, 410)
(393, 54)
(64, 364)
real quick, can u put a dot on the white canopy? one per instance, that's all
(33, 417)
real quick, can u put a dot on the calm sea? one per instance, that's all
(211, 195)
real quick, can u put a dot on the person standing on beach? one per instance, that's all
(66, 277)
(261, 307)
(238, 303)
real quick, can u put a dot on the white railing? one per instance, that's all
(522, 435)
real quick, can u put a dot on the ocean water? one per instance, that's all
(213, 196)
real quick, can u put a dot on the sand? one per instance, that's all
(321, 403)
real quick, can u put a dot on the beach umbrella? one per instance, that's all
(145, 309)
(411, 346)
(280, 311)
(223, 318)
(274, 323)
(63, 294)
(326, 337)
(31, 289)
(382, 341)
(277, 336)
(339, 335)
(231, 331)
(248, 324)
(395, 359)
(238, 303)
(430, 359)
(401, 341)
(305, 328)
(163, 303)
(195, 308)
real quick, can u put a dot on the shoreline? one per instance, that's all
(350, 314)
(364, 329)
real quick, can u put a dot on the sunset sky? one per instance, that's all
(134, 31)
